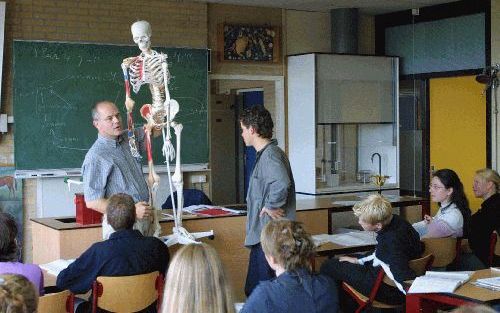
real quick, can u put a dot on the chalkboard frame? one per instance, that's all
(200, 75)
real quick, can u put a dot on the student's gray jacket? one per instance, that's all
(272, 186)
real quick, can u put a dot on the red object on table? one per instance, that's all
(213, 212)
(84, 215)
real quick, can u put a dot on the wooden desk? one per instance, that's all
(54, 239)
(329, 203)
(465, 294)
(57, 238)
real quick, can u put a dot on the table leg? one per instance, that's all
(330, 222)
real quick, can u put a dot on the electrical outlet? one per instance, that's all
(198, 179)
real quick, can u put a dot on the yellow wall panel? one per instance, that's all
(458, 129)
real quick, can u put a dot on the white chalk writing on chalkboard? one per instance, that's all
(57, 83)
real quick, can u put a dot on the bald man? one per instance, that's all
(109, 168)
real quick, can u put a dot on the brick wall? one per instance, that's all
(174, 23)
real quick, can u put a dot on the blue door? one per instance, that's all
(250, 98)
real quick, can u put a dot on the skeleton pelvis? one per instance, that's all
(149, 112)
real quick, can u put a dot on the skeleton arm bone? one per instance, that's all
(164, 67)
(129, 103)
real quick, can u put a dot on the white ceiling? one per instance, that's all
(365, 6)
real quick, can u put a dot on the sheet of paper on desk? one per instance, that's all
(210, 210)
(351, 239)
(344, 202)
(55, 267)
(492, 283)
(433, 282)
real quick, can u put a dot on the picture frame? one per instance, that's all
(243, 43)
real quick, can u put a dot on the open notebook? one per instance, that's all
(55, 267)
(433, 282)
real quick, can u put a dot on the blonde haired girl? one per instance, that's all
(196, 282)
(487, 218)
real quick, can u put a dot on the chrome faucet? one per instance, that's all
(379, 162)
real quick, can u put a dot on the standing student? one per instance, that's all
(397, 244)
(9, 254)
(453, 215)
(289, 249)
(197, 283)
(487, 219)
(110, 168)
(17, 294)
(271, 189)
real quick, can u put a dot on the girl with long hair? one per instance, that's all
(453, 215)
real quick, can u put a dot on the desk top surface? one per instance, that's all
(345, 202)
(468, 290)
(339, 203)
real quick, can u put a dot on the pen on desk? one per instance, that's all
(167, 215)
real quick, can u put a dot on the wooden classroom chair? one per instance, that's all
(60, 302)
(127, 294)
(445, 250)
(494, 247)
(419, 266)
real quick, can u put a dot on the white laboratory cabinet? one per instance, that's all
(342, 114)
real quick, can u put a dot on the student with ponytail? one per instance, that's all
(288, 249)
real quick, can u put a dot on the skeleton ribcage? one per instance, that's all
(147, 69)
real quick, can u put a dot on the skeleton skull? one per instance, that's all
(141, 33)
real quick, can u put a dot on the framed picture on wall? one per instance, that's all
(248, 43)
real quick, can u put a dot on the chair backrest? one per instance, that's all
(497, 244)
(419, 266)
(127, 293)
(444, 250)
(191, 197)
(60, 302)
(494, 247)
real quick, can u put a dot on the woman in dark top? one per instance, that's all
(288, 250)
(487, 218)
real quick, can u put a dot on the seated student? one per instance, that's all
(448, 191)
(9, 254)
(487, 219)
(397, 244)
(127, 252)
(196, 282)
(17, 294)
(288, 249)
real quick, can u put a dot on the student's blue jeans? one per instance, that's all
(258, 269)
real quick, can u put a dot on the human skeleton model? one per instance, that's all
(151, 68)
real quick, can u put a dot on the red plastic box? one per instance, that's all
(84, 215)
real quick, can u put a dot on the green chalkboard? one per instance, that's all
(56, 84)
